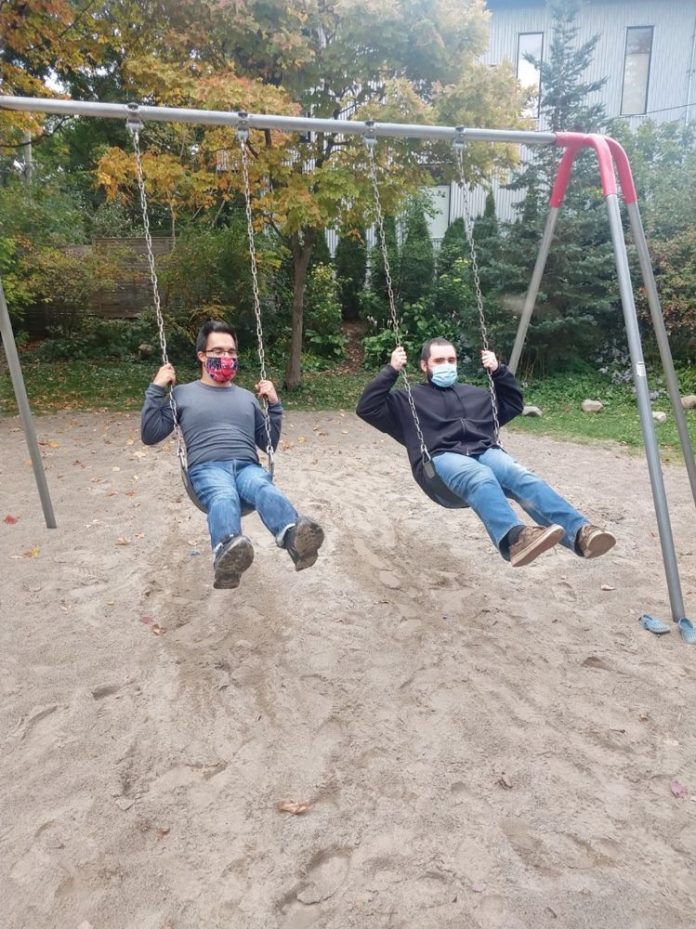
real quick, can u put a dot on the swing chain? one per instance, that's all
(243, 138)
(370, 143)
(458, 146)
(134, 125)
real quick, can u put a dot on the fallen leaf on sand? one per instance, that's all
(10, 520)
(157, 629)
(292, 806)
(504, 781)
(122, 540)
(32, 552)
(606, 587)
(678, 789)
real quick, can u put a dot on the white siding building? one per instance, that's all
(646, 50)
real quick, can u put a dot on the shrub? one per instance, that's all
(322, 314)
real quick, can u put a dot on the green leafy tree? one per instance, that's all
(663, 162)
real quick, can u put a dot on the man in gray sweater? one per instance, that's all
(222, 425)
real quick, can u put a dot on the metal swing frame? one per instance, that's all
(611, 161)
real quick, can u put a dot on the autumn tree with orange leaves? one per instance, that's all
(408, 61)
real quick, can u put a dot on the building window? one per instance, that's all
(530, 45)
(634, 99)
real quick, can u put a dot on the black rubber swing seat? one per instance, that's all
(246, 507)
(439, 491)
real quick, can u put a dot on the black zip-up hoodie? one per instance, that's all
(452, 419)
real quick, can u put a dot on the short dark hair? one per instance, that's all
(213, 325)
(425, 351)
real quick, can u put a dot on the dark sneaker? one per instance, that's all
(231, 561)
(591, 541)
(303, 541)
(532, 541)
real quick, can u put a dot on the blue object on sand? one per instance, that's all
(654, 625)
(688, 631)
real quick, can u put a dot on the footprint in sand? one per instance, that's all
(325, 876)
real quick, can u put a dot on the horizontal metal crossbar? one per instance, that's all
(266, 121)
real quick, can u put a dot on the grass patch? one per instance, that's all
(84, 385)
(560, 398)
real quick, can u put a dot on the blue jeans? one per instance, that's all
(223, 486)
(485, 482)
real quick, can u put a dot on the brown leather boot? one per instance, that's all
(532, 541)
(591, 541)
(232, 559)
(303, 541)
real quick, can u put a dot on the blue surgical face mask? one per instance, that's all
(444, 375)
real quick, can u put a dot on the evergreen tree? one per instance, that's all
(375, 301)
(577, 311)
(321, 254)
(417, 258)
(351, 269)
(453, 248)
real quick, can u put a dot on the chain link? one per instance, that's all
(370, 143)
(134, 126)
(469, 230)
(243, 136)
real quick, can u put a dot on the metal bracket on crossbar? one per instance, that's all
(369, 136)
(134, 123)
(459, 144)
(243, 128)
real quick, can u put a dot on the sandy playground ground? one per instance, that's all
(479, 747)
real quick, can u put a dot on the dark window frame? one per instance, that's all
(630, 29)
(521, 35)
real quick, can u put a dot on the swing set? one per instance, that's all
(611, 161)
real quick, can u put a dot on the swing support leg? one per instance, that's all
(560, 186)
(662, 341)
(610, 155)
(24, 410)
(640, 380)
(533, 290)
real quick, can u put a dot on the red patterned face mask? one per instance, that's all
(221, 368)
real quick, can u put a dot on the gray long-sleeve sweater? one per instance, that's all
(218, 423)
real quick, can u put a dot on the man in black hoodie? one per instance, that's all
(457, 422)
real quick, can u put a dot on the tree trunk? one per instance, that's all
(301, 245)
